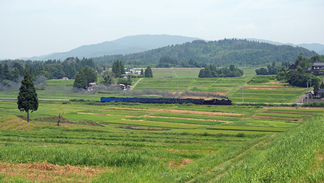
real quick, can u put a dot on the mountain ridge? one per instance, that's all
(124, 45)
(223, 53)
(145, 42)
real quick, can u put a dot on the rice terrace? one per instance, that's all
(154, 142)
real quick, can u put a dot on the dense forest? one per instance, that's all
(221, 53)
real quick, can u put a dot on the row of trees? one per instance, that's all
(271, 69)
(213, 71)
(51, 69)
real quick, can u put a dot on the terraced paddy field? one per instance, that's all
(132, 142)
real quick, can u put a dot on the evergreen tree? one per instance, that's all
(107, 78)
(142, 72)
(118, 68)
(85, 76)
(148, 72)
(6, 72)
(201, 73)
(1, 73)
(27, 98)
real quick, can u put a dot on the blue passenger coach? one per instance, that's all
(168, 100)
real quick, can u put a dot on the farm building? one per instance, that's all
(317, 67)
(292, 67)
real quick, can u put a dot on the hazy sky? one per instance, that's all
(38, 27)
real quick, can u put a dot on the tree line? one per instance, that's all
(272, 69)
(13, 70)
(213, 71)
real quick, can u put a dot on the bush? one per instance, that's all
(314, 104)
(240, 135)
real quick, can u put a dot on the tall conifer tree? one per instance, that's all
(27, 98)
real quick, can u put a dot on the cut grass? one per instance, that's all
(248, 128)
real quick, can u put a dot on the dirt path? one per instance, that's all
(136, 84)
(301, 99)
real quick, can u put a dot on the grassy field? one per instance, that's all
(132, 142)
(121, 142)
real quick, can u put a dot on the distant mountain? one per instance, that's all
(222, 53)
(125, 45)
(318, 48)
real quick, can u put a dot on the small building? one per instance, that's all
(124, 76)
(292, 67)
(320, 93)
(317, 67)
(92, 84)
(65, 78)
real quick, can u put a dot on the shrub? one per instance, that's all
(240, 135)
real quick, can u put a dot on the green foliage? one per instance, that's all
(148, 72)
(261, 79)
(118, 68)
(270, 70)
(240, 135)
(314, 104)
(167, 62)
(51, 69)
(27, 98)
(290, 157)
(213, 71)
(300, 76)
(85, 76)
(107, 78)
(223, 52)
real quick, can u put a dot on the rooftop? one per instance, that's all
(318, 64)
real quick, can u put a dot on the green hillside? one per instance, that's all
(222, 53)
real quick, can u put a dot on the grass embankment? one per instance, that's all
(297, 158)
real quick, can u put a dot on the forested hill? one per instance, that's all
(222, 53)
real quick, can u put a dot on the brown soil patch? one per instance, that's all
(176, 164)
(320, 157)
(175, 150)
(179, 111)
(46, 172)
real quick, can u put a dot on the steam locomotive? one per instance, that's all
(168, 100)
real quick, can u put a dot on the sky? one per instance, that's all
(40, 27)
